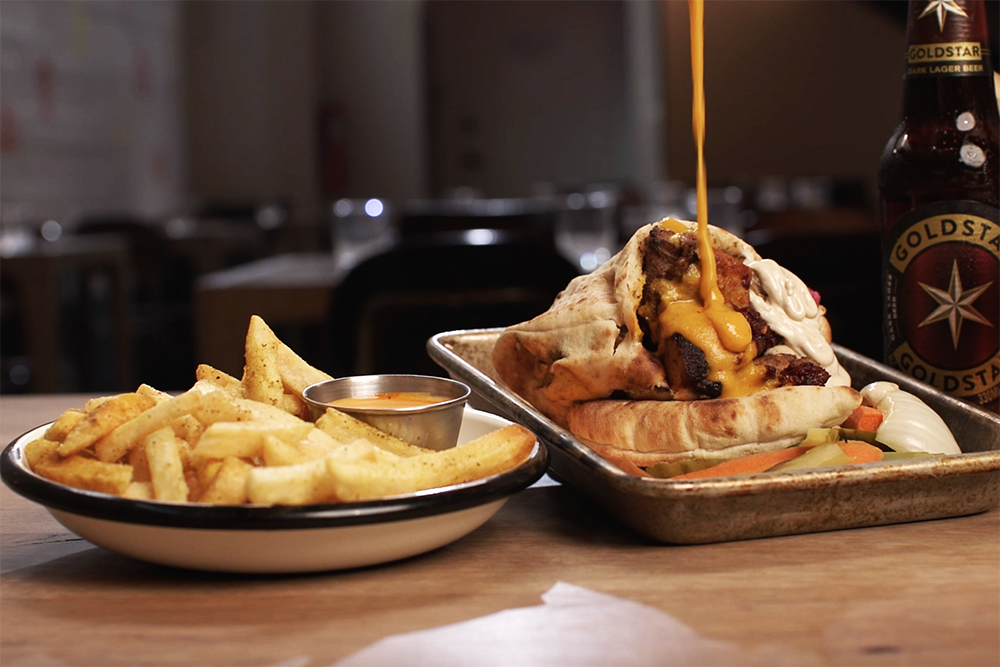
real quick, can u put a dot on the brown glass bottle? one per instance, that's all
(939, 195)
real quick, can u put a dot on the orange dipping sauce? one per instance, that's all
(389, 400)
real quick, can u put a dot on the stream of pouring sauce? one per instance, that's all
(731, 327)
(721, 333)
(704, 318)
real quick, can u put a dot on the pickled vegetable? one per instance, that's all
(747, 465)
(871, 437)
(820, 436)
(820, 456)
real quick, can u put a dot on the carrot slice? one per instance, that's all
(746, 465)
(861, 452)
(864, 418)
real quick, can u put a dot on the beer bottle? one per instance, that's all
(938, 197)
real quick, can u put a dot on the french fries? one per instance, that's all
(260, 375)
(229, 441)
(103, 419)
(166, 471)
(362, 479)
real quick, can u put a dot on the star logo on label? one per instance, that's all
(955, 304)
(942, 8)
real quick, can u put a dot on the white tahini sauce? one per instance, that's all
(791, 311)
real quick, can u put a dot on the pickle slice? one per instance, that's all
(858, 434)
(820, 436)
(820, 456)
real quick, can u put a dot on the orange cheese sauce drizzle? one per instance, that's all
(732, 327)
(723, 334)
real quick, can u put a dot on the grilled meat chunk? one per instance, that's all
(787, 370)
(687, 370)
(667, 267)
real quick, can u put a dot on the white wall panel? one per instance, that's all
(90, 98)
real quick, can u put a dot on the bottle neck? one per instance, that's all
(947, 56)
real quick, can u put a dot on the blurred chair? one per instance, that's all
(15, 364)
(266, 219)
(66, 303)
(161, 294)
(521, 220)
(387, 307)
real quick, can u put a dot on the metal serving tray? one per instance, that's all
(763, 505)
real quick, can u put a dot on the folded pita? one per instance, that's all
(586, 346)
(589, 363)
(648, 432)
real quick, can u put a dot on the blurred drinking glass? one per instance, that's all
(586, 231)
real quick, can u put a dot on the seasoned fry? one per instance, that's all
(166, 471)
(261, 378)
(118, 442)
(215, 405)
(84, 473)
(294, 405)
(221, 379)
(248, 410)
(321, 443)
(205, 471)
(299, 484)
(276, 452)
(139, 491)
(64, 424)
(229, 486)
(362, 451)
(487, 455)
(140, 464)
(94, 403)
(107, 416)
(36, 450)
(345, 428)
(246, 439)
(188, 429)
(295, 373)
(155, 394)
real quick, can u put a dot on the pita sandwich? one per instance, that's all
(629, 361)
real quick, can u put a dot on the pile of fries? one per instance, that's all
(229, 441)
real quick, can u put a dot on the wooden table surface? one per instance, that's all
(914, 594)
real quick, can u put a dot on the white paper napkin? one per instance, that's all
(574, 626)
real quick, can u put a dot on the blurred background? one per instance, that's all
(364, 174)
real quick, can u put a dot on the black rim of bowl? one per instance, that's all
(56, 496)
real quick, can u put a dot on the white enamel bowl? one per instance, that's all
(273, 539)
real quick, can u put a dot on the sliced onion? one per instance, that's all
(908, 424)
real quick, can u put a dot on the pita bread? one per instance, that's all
(589, 344)
(584, 347)
(583, 364)
(648, 432)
